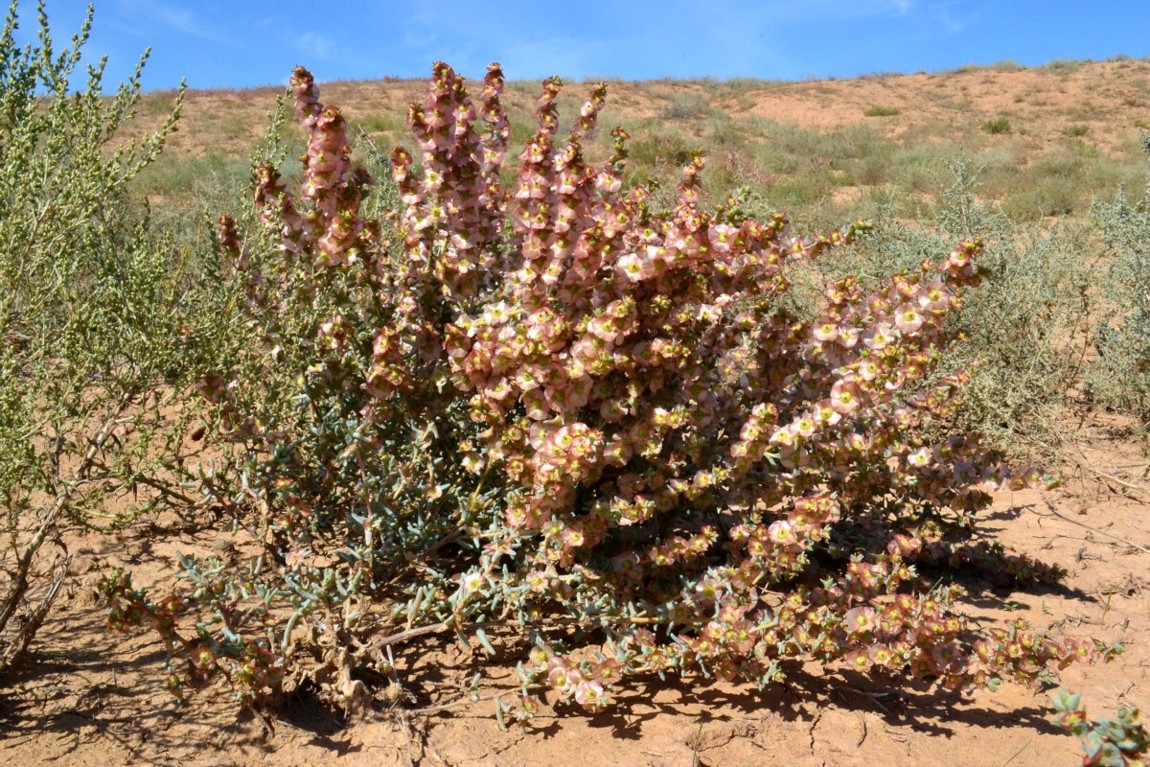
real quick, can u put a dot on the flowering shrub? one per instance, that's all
(557, 415)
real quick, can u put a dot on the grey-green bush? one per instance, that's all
(94, 322)
(1121, 376)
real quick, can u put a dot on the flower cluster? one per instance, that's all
(331, 228)
(451, 216)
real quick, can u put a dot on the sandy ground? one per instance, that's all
(96, 699)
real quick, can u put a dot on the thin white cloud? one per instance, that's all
(951, 22)
(315, 46)
(638, 38)
(808, 11)
(414, 39)
(534, 59)
(171, 15)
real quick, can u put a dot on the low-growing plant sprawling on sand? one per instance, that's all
(556, 417)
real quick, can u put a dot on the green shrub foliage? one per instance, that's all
(92, 335)
(1118, 742)
(1122, 375)
(559, 418)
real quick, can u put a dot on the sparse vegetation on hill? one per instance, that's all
(810, 146)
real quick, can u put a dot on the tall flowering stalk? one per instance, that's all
(331, 227)
(617, 438)
(452, 214)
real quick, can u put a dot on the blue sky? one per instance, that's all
(257, 42)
